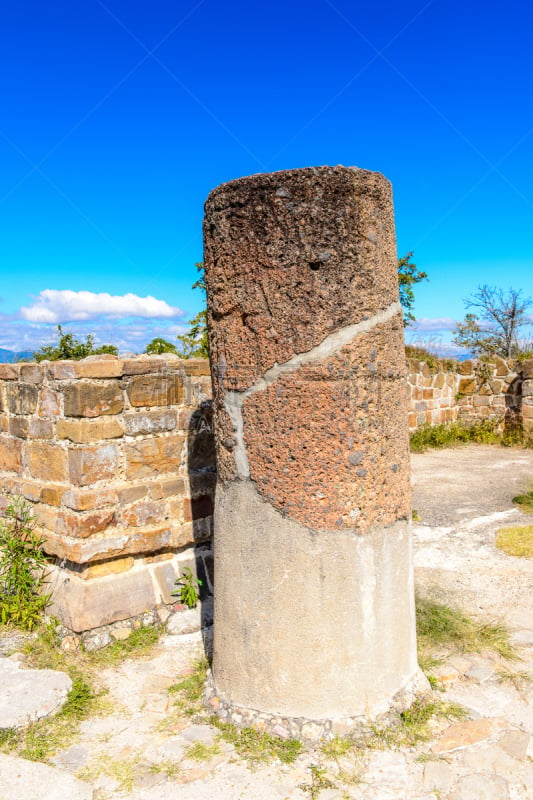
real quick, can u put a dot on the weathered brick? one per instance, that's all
(80, 526)
(49, 403)
(22, 398)
(87, 499)
(527, 388)
(45, 517)
(10, 454)
(97, 367)
(466, 368)
(155, 390)
(31, 373)
(47, 462)
(143, 422)
(4, 423)
(481, 400)
(91, 464)
(144, 513)
(41, 428)
(197, 508)
(526, 368)
(93, 399)
(89, 430)
(150, 457)
(31, 490)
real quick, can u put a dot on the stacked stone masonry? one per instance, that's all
(473, 390)
(117, 458)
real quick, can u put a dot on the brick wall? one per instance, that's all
(117, 457)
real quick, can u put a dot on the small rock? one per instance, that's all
(120, 634)
(96, 641)
(70, 644)
(163, 614)
(182, 622)
(523, 638)
(29, 694)
(480, 673)
(30, 780)
(199, 733)
(464, 734)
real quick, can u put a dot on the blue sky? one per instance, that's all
(118, 118)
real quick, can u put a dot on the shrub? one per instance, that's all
(22, 568)
(69, 348)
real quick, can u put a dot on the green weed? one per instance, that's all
(200, 751)
(525, 501)
(256, 745)
(453, 433)
(190, 689)
(187, 589)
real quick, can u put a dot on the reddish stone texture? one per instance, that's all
(292, 258)
(334, 454)
(10, 454)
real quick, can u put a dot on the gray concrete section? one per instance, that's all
(27, 695)
(286, 596)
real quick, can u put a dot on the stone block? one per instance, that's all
(151, 457)
(19, 426)
(87, 499)
(439, 380)
(196, 366)
(527, 388)
(98, 367)
(9, 372)
(22, 398)
(467, 386)
(85, 604)
(80, 526)
(143, 365)
(144, 513)
(31, 373)
(4, 423)
(526, 368)
(83, 431)
(155, 390)
(129, 494)
(113, 567)
(47, 462)
(60, 370)
(197, 508)
(466, 367)
(202, 482)
(481, 400)
(49, 403)
(172, 486)
(144, 422)
(112, 544)
(93, 399)
(165, 575)
(41, 428)
(88, 465)
(51, 494)
(31, 490)
(527, 411)
(46, 518)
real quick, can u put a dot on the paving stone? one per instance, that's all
(199, 733)
(480, 786)
(515, 743)
(29, 694)
(72, 759)
(438, 775)
(464, 734)
(480, 673)
(30, 780)
(388, 776)
(187, 621)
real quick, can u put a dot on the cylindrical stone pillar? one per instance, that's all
(314, 607)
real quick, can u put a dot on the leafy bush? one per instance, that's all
(69, 348)
(158, 346)
(449, 434)
(22, 568)
(433, 361)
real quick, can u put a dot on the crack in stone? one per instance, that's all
(234, 400)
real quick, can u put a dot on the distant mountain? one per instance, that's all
(8, 356)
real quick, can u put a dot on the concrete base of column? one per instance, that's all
(315, 626)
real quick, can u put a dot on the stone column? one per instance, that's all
(314, 608)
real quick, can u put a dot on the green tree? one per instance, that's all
(194, 344)
(408, 276)
(69, 348)
(494, 327)
(159, 346)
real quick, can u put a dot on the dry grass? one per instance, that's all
(516, 541)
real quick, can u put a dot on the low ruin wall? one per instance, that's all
(117, 457)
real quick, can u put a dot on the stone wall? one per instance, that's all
(117, 457)
(474, 391)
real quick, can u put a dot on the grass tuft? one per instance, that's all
(200, 751)
(190, 689)
(453, 433)
(516, 540)
(525, 501)
(257, 746)
(438, 624)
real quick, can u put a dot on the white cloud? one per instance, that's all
(64, 305)
(432, 324)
